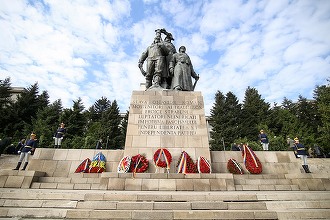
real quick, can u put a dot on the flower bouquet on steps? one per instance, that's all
(186, 164)
(163, 159)
(98, 163)
(83, 166)
(251, 161)
(203, 165)
(139, 164)
(234, 167)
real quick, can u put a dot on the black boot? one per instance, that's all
(25, 165)
(18, 166)
(307, 169)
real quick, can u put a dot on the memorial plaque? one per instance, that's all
(167, 119)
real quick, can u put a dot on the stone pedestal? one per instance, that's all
(174, 120)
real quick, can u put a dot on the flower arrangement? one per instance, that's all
(251, 161)
(124, 164)
(163, 158)
(98, 164)
(83, 166)
(186, 164)
(234, 167)
(139, 164)
(203, 165)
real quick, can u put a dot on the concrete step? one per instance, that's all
(97, 204)
(267, 187)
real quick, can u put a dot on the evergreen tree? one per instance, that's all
(217, 119)
(322, 96)
(47, 122)
(75, 121)
(254, 114)
(231, 124)
(111, 127)
(5, 107)
(25, 109)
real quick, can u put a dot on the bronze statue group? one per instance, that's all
(165, 68)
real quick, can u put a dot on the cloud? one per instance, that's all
(90, 49)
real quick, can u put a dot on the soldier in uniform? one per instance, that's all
(58, 136)
(301, 152)
(182, 71)
(155, 55)
(26, 150)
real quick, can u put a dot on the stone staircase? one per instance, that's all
(97, 204)
(49, 189)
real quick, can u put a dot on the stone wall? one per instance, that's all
(63, 162)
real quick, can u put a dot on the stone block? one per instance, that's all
(27, 181)
(37, 212)
(3, 180)
(214, 205)
(60, 154)
(123, 205)
(265, 215)
(167, 185)
(45, 154)
(86, 153)
(159, 175)
(150, 184)
(201, 184)
(82, 186)
(184, 185)
(48, 185)
(172, 206)
(218, 185)
(267, 187)
(133, 184)
(14, 182)
(49, 166)
(100, 205)
(247, 206)
(192, 176)
(152, 214)
(65, 186)
(59, 204)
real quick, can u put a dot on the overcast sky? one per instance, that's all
(91, 49)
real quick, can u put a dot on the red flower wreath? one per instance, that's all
(251, 161)
(186, 164)
(162, 158)
(203, 165)
(234, 167)
(139, 164)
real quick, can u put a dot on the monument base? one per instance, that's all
(169, 119)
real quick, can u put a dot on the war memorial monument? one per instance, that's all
(166, 124)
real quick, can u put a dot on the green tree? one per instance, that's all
(216, 120)
(254, 114)
(25, 109)
(75, 121)
(322, 96)
(5, 107)
(111, 127)
(46, 123)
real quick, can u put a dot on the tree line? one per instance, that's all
(33, 112)
(234, 122)
(231, 121)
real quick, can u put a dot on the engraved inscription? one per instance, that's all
(167, 117)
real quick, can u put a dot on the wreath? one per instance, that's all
(203, 165)
(234, 167)
(124, 164)
(186, 164)
(98, 163)
(251, 161)
(139, 164)
(162, 158)
(83, 166)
